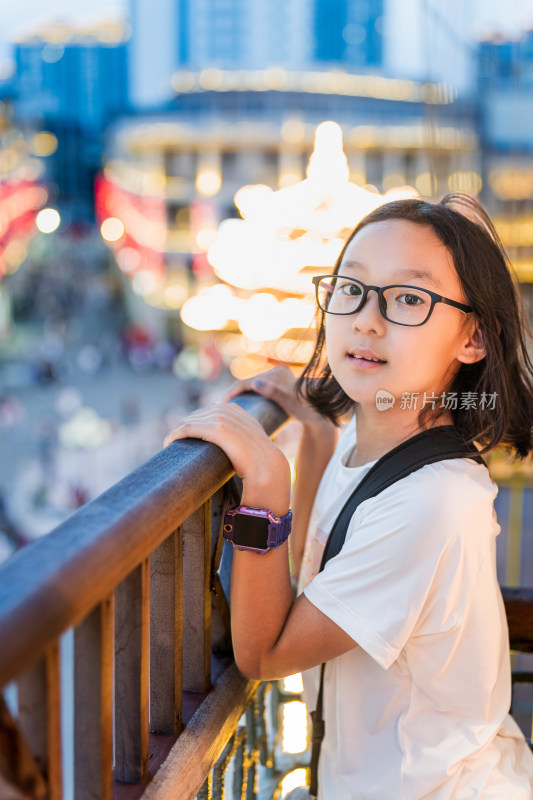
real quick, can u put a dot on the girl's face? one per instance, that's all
(417, 359)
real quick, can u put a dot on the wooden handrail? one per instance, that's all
(55, 582)
(193, 755)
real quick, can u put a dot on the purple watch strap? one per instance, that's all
(279, 528)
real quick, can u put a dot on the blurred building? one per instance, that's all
(152, 51)
(505, 91)
(238, 34)
(73, 81)
(414, 39)
(505, 96)
(433, 41)
(348, 33)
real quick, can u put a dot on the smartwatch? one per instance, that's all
(256, 529)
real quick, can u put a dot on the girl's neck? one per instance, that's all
(379, 432)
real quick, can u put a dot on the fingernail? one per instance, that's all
(257, 383)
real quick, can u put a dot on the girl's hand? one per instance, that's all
(260, 463)
(278, 384)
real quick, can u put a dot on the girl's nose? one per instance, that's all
(369, 317)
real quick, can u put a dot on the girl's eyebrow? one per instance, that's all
(404, 274)
(420, 274)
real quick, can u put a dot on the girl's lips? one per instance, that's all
(364, 364)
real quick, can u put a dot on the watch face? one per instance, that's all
(250, 531)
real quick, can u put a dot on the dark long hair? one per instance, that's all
(465, 229)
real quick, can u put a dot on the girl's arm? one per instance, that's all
(317, 443)
(273, 635)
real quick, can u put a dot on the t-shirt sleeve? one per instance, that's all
(405, 549)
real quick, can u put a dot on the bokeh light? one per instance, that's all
(44, 144)
(208, 182)
(112, 229)
(175, 296)
(48, 220)
(294, 779)
(293, 683)
(294, 732)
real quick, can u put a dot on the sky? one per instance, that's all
(509, 16)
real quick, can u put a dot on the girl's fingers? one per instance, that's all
(281, 388)
(263, 384)
(238, 388)
(253, 455)
(210, 424)
(279, 384)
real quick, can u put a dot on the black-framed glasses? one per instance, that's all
(399, 303)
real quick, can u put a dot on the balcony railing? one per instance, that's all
(141, 577)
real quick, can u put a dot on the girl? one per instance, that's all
(421, 311)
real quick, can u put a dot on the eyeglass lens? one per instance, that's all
(405, 305)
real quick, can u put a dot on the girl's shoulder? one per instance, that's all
(446, 483)
(446, 499)
(462, 476)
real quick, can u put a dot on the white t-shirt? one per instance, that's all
(420, 708)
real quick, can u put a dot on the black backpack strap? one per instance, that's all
(427, 447)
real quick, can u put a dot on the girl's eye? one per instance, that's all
(410, 299)
(349, 289)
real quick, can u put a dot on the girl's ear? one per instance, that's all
(473, 348)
